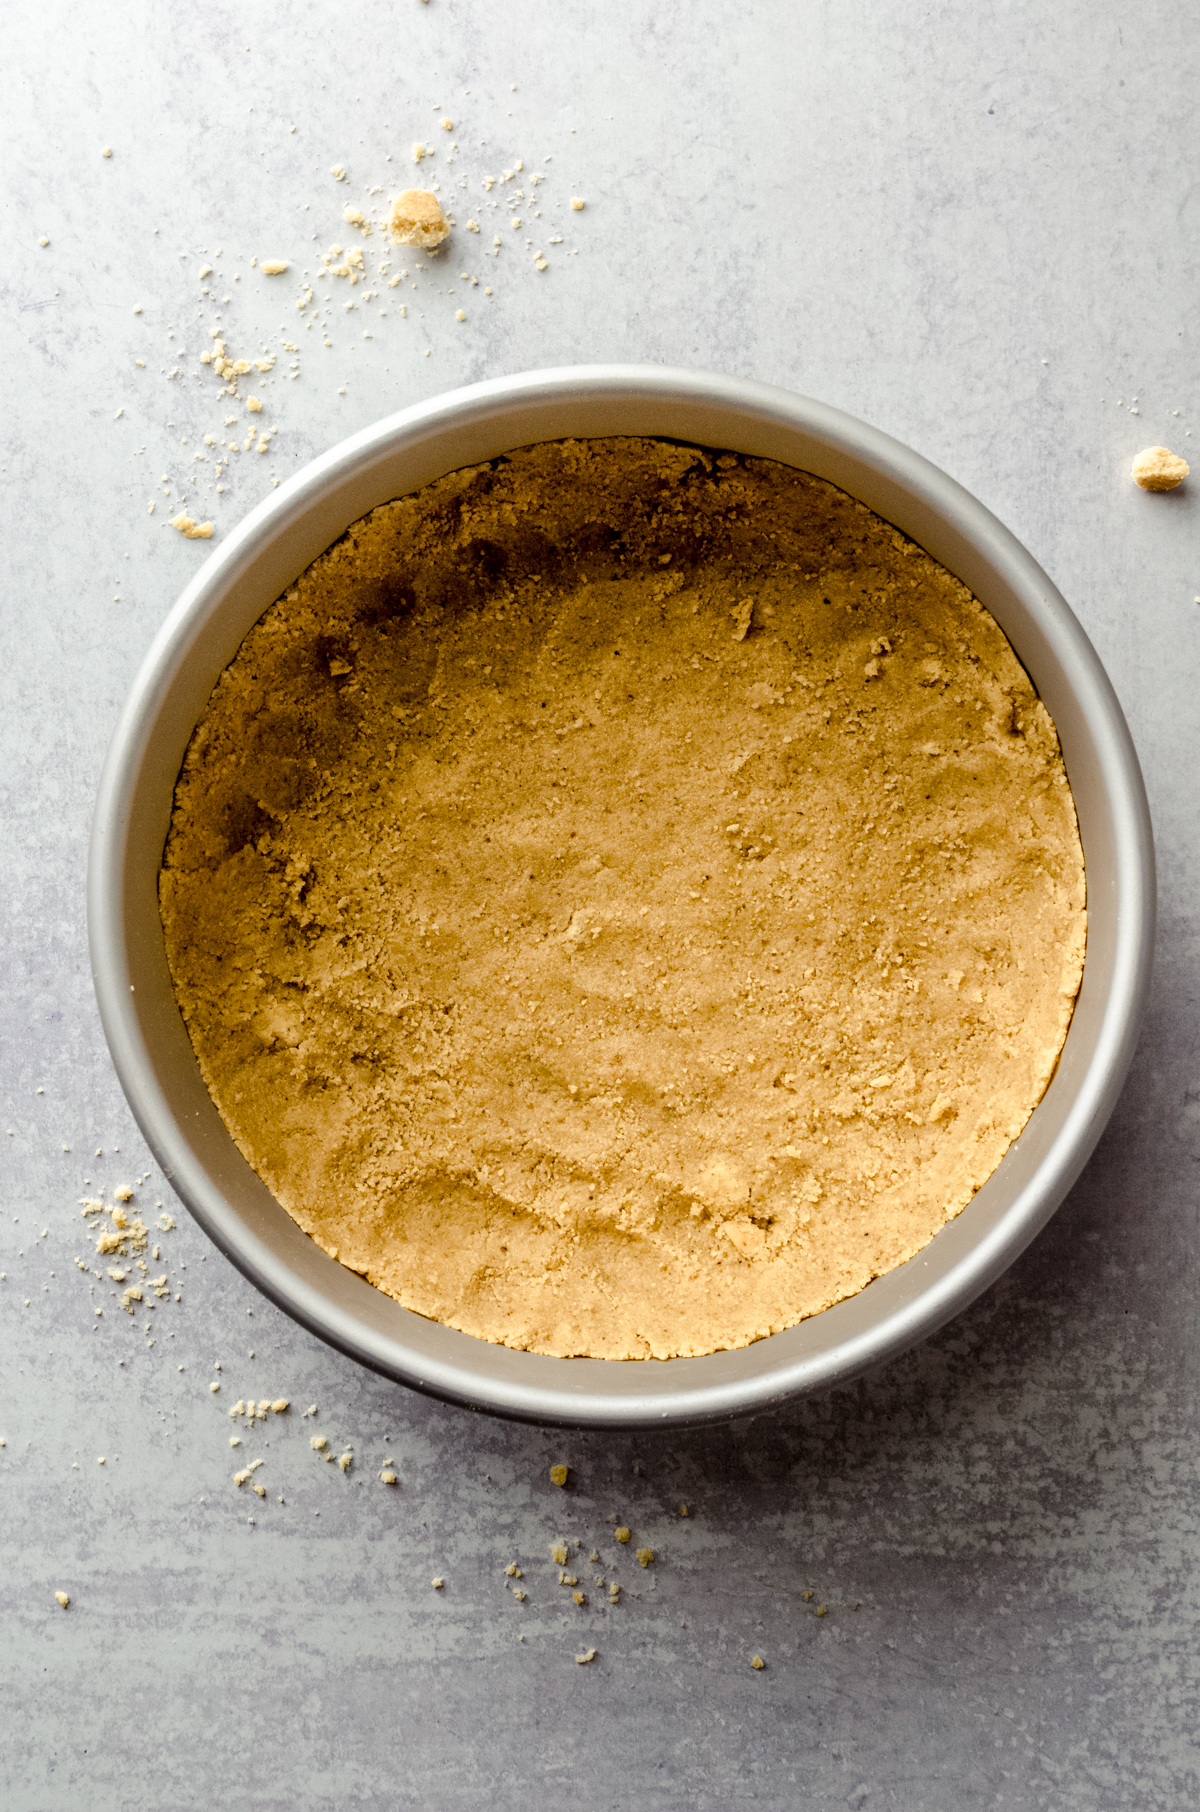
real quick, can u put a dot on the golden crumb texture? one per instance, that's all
(417, 219)
(1158, 469)
(624, 898)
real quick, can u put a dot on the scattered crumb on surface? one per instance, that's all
(62, 1598)
(558, 1552)
(621, 1534)
(437, 1583)
(387, 1477)
(645, 1556)
(558, 1475)
(317, 1442)
(757, 1662)
(273, 267)
(417, 219)
(1158, 469)
(588, 1655)
(195, 531)
(577, 203)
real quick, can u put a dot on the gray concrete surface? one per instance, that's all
(975, 226)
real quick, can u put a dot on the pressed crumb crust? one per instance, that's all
(624, 898)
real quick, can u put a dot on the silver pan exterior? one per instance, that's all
(244, 575)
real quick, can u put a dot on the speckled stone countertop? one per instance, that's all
(976, 228)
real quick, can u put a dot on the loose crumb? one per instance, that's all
(558, 1553)
(519, 1595)
(821, 1610)
(417, 219)
(280, 1405)
(579, 1597)
(318, 1443)
(757, 1662)
(254, 405)
(387, 1477)
(1158, 469)
(195, 531)
(513, 1571)
(588, 1655)
(645, 1556)
(63, 1600)
(621, 1534)
(683, 1509)
(577, 203)
(346, 1461)
(437, 1584)
(338, 173)
(558, 1475)
(273, 267)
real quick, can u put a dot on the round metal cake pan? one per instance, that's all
(276, 542)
